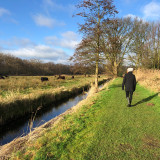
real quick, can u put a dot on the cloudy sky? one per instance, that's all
(46, 30)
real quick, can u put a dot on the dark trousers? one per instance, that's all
(129, 95)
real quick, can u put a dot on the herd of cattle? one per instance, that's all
(42, 78)
(59, 77)
(3, 77)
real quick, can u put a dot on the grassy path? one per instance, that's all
(105, 130)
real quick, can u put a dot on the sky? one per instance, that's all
(46, 29)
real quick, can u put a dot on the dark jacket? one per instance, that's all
(129, 81)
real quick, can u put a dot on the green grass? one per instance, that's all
(105, 129)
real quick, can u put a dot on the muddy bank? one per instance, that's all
(22, 109)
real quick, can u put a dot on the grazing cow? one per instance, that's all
(61, 77)
(1, 77)
(44, 79)
(99, 76)
(72, 77)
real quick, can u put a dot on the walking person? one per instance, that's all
(129, 81)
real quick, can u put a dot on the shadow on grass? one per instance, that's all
(115, 86)
(146, 99)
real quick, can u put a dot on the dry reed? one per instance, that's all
(24, 87)
(148, 78)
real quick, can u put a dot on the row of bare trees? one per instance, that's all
(112, 42)
(145, 46)
(10, 65)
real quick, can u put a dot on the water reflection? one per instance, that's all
(21, 128)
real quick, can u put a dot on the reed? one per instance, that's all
(19, 87)
(148, 78)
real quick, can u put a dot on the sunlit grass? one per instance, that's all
(104, 128)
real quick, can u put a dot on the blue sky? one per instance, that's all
(46, 30)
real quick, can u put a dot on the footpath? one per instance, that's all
(104, 129)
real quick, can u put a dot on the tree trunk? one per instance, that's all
(158, 59)
(96, 77)
(115, 69)
(158, 51)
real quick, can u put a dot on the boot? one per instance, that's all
(128, 102)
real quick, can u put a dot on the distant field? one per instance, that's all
(19, 87)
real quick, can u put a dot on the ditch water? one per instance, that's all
(21, 128)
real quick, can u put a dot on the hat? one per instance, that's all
(130, 70)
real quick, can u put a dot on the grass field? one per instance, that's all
(104, 129)
(19, 87)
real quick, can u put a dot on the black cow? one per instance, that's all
(61, 77)
(99, 76)
(72, 77)
(44, 79)
(1, 77)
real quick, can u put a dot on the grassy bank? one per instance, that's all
(103, 128)
(20, 105)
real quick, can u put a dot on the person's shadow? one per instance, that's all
(115, 86)
(146, 99)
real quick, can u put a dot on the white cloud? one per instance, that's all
(152, 10)
(42, 20)
(17, 42)
(132, 16)
(55, 50)
(48, 2)
(51, 6)
(70, 35)
(68, 40)
(42, 52)
(3, 11)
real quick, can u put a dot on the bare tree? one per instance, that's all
(95, 13)
(139, 40)
(116, 41)
(10, 65)
(154, 44)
